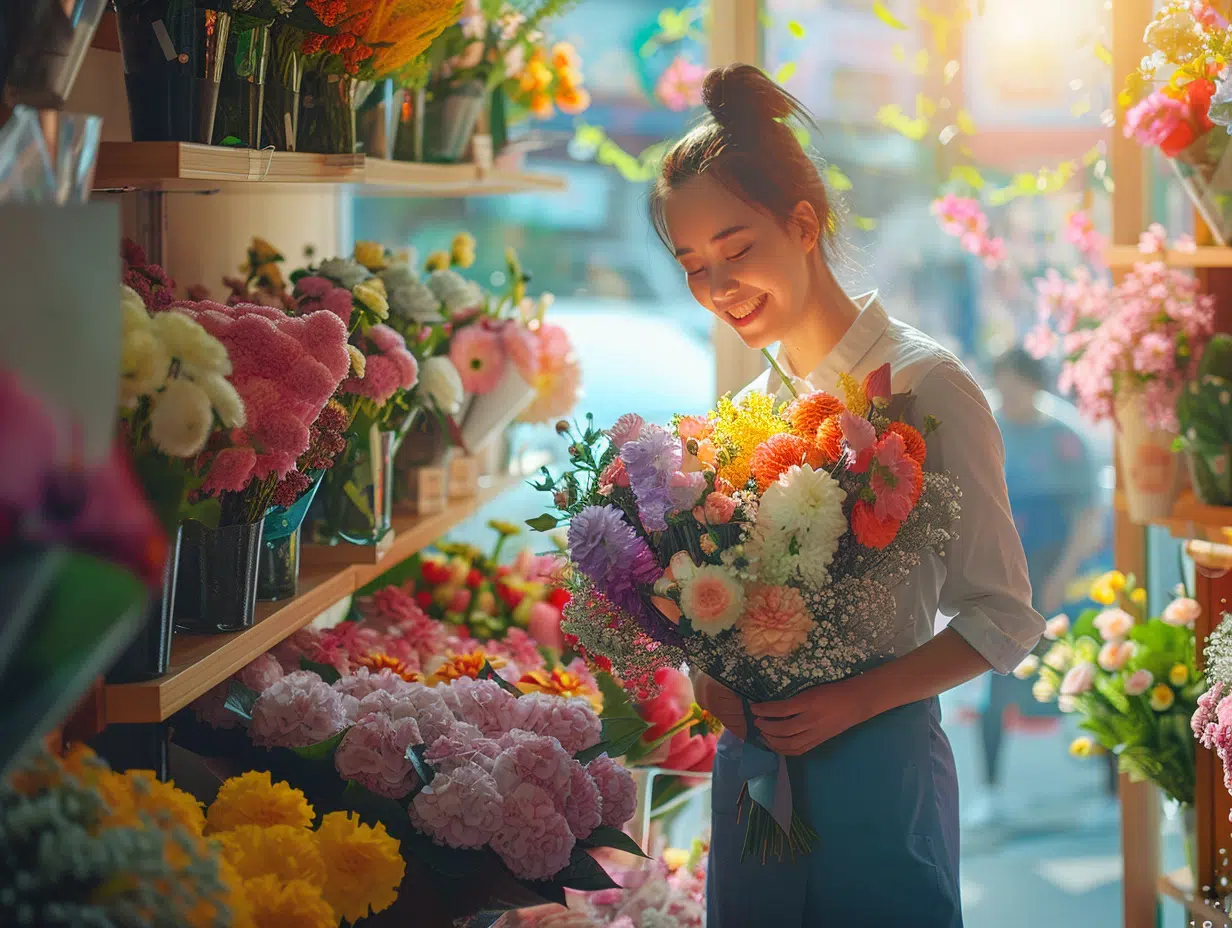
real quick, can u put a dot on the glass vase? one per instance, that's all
(328, 124)
(278, 571)
(173, 53)
(1211, 476)
(241, 98)
(450, 114)
(216, 588)
(149, 655)
(1205, 171)
(378, 121)
(283, 88)
(355, 502)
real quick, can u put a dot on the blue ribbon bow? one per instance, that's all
(764, 773)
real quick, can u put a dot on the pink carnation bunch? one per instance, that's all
(482, 703)
(534, 841)
(298, 710)
(617, 789)
(1143, 333)
(364, 682)
(373, 754)
(572, 722)
(389, 367)
(285, 369)
(462, 808)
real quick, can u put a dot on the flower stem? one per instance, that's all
(778, 370)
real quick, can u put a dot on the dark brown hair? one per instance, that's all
(748, 146)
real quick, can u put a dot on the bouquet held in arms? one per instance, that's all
(760, 543)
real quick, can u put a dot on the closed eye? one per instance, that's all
(694, 273)
(741, 253)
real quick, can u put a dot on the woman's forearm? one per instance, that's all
(944, 662)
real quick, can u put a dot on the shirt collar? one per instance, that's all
(845, 356)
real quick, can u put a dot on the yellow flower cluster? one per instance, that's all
(263, 265)
(292, 875)
(739, 429)
(1185, 46)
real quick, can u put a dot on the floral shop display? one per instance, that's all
(487, 788)
(723, 539)
(1204, 421)
(1133, 681)
(1178, 101)
(145, 852)
(1129, 347)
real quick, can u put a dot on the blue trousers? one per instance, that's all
(883, 799)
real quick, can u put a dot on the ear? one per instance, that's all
(806, 225)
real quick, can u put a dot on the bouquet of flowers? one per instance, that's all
(761, 542)
(1131, 678)
(546, 79)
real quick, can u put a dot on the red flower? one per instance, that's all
(877, 385)
(509, 596)
(474, 578)
(870, 531)
(424, 598)
(559, 598)
(1198, 95)
(434, 572)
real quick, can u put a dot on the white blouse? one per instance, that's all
(981, 581)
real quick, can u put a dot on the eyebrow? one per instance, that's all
(726, 233)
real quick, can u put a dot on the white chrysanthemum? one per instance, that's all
(346, 272)
(455, 291)
(143, 365)
(181, 419)
(439, 379)
(414, 300)
(398, 274)
(198, 351)
(225, 399)
(799, 525)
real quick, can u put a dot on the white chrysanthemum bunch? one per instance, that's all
(455, 292)
(409, 297)
(180, 370)
(799, 524)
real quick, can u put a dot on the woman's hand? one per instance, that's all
(720, 702)
(795, 726)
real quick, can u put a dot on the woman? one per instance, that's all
(745, 212)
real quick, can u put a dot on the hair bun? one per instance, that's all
(741, 98)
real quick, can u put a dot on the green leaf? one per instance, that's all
(231, 141)
(326, 672)
(883, 14)
(543, 523)
(240, 700)
(322, 749)
(206, 511)
(606, 836)
(584, 874)
(488, 672)
(415, 754)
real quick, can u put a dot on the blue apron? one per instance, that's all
(883, 799)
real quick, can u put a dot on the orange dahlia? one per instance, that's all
(869, 530)
(806, 413)
(830, 440)
(379, 660)
(776, 454)
(560, 682)
(916, 447)
(470, 665)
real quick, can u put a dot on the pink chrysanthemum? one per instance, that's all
(479, 357)
(534, 841)
(462, 808)
(617, 788)
(298, 710)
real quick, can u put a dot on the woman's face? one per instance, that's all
(741, 264)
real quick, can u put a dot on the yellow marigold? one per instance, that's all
(561, 683)
(738, 430)
(371, 255)
(295, 904)
(363, 864)
(377, 661)
(164, 802)
(229, 907)
(251, 799)
(437, 261)
(808, 411)
(284, 851)
(456, 666)
(855, 399)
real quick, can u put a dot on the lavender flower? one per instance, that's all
(651, 460)
(608, 551)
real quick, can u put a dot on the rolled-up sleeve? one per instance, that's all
(986, 591)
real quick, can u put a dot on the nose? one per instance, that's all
(722, 286)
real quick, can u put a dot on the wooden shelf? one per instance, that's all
(183, 166)
(200, 662)
(1193, 520)
(1126, 256)
(1178, 885)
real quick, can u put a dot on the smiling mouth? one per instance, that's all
(748, 307)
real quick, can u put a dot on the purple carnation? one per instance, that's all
(606, 549)
(651, 460)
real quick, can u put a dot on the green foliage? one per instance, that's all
(622, 726)
(1204, 410)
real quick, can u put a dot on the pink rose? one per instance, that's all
(1114, 624)
(1079, 679)
(373, 754)
(716, 510)
(298, 710)
(572, 722)
(1116, 654)
(1181, 612)
(1138, 682)
(483, 703)
(617, 788)
(459, 809)
(1056, 627)
(534, 842)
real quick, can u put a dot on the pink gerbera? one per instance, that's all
(479, 356)
(894, 477)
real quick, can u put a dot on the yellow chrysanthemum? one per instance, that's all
(1178, 675)
(1081, 747)
(503, 528)
(295, 904)
(229, 907)
(1162, 697)
(363, 865)
(371, 255)
(251, 799)
(739, 430)
(164, 802)
(561, 683)
(854, 397)
(437, 261)
(1102, 593)
(470, 665)
(284, 851)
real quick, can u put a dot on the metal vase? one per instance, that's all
(173, 54)
(216, 590)
(149, 655)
